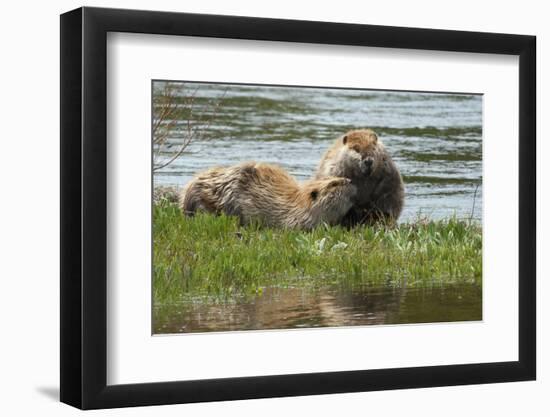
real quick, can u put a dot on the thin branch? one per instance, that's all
(473, 204)
(164, 121)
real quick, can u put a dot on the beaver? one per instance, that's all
(360, 156)
(267, 194)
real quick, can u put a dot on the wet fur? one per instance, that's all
(380, 189)
(257, 192)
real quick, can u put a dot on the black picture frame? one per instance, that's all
(84, 207)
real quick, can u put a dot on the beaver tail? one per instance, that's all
(189, 200)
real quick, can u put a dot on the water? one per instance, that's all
(283, 308)
(435, 139)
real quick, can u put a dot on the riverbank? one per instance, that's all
(213, 257)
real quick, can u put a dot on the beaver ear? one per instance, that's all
(345, 139)
(314, 195)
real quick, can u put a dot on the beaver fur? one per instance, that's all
(360, 156)
(264, 193)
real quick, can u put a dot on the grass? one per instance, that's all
(212, 256)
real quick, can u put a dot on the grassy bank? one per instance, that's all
(215, 257)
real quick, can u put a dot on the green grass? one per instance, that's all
(214, 257)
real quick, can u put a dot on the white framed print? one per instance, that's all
(257, 208)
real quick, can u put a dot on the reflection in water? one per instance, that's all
(285, 308)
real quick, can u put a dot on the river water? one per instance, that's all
(435, 138)
(291, 308)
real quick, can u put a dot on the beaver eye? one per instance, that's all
(357, 149)
(314, 194)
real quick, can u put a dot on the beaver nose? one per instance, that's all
(366, 165)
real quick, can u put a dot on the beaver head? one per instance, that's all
(361, 153)
(330, 199)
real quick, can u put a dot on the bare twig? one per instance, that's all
(473, 204)
(165, 120)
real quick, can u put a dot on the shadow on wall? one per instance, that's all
(50, 392)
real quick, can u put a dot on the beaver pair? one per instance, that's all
(356, 182)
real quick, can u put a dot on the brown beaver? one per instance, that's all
(360, 156)
(267, 194)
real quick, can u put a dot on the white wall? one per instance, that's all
(29, 220)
